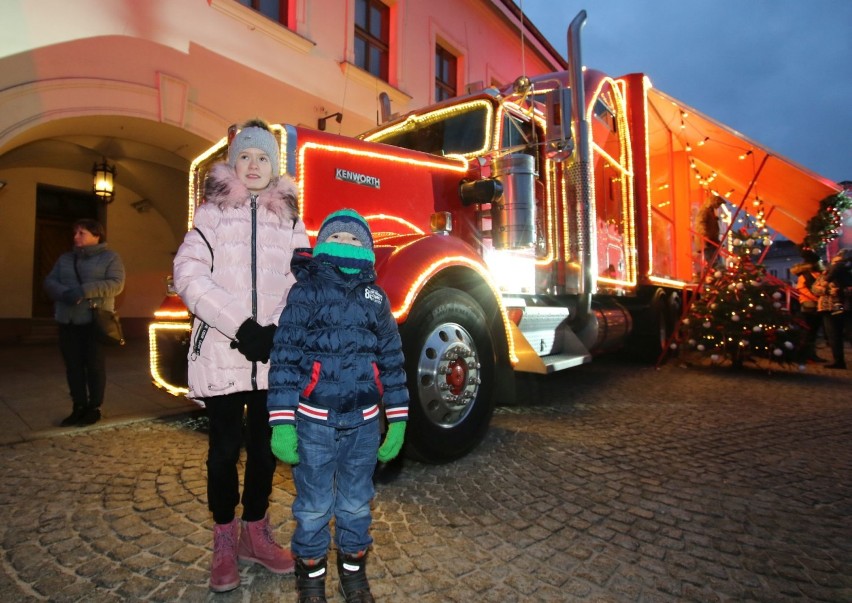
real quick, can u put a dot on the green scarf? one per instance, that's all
(351, 259)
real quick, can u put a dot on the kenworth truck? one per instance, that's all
(522, 230)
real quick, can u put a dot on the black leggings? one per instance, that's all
(230, 416)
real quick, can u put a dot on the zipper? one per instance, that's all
(254, 278)
(200, 334)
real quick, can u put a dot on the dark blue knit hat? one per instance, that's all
(346, 220)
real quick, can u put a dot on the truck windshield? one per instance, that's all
(461, 130)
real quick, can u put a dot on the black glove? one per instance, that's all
(72, 296)
(254, 341)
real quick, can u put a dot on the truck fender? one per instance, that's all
(408, 268)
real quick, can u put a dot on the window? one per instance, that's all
(605, 114)
(372, 35)
(613, 181)
(517, 133)
(462, 131)
(445, 74)
(273, 9)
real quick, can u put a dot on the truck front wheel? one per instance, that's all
(449, 358)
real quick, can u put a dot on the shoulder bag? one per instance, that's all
(107, 323)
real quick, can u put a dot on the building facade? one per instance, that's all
(144, 87)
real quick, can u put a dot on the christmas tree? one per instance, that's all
(739, 312)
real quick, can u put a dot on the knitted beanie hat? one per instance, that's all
(349, 258)
(346, 220)
(254, 137)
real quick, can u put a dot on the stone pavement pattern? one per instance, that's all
(615, 483)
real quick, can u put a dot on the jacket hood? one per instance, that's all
(223, 188)
(805, 267)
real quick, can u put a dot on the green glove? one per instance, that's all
(393, 441)
(284, 443)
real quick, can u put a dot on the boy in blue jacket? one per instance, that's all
(336, 361)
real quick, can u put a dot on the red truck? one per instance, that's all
(523, 230)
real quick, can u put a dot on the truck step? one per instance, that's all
(549, 347)
(539, 326)
(559, 362)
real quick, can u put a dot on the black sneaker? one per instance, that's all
(73, 418)
(92, 416)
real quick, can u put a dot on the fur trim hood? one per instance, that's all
(223, 188)
(804, 267)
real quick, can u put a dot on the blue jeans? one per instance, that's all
(334, 476)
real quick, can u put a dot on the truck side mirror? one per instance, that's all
(559, 143)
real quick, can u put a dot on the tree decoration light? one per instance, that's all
(825, 225)
(738, 315)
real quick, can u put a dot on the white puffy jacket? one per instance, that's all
(233, 265)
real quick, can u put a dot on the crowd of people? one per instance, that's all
(825, 302)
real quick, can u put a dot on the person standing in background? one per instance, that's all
(808, 272)
(88, 276)
(708, 228)
(233, 272)
(834, 288)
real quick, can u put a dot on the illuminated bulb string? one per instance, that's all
(705, 180)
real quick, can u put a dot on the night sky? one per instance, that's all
(777, 71)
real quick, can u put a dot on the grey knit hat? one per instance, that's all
(346, 220)
(254, 137)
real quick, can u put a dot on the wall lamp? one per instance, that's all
(338, 117)
(104, 181)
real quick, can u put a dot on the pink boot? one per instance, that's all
(224, 575)
(257, 545)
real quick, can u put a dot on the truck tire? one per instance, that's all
(449, 360)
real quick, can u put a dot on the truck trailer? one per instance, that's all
(523, 230)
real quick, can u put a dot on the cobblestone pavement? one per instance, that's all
(615, 483)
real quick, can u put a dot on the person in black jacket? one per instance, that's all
(336, 361)
(88, 276)
(834, 288)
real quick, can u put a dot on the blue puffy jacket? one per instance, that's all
(337, 353)
(102, 273)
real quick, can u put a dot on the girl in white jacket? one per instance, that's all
(233, 273)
